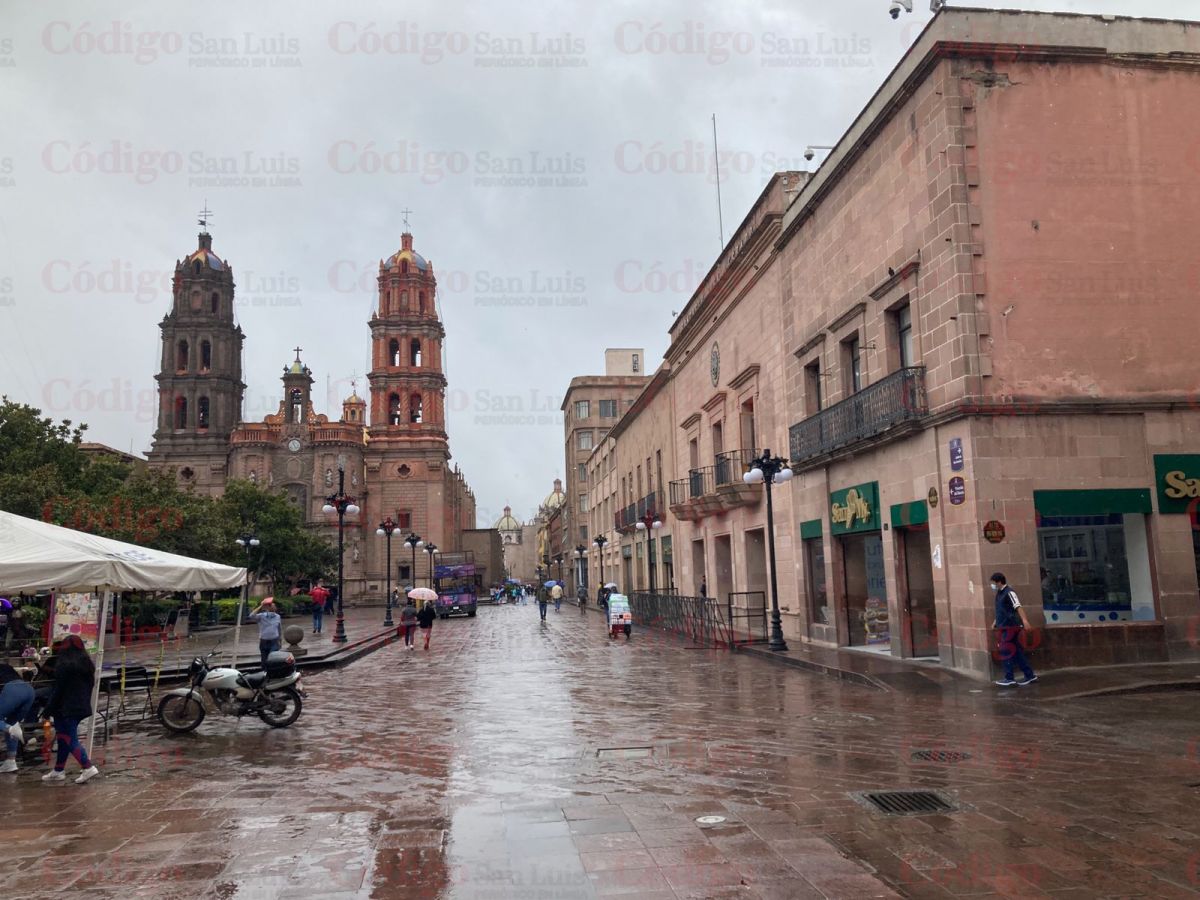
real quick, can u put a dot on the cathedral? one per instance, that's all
(393, 448)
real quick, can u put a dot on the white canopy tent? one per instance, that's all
(37, 556)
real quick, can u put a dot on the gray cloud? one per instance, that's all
(557, 160)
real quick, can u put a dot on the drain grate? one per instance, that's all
(624, 752)
(908, 803)
(942, 756)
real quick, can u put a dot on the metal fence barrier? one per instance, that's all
(747, 616)
(702, 620)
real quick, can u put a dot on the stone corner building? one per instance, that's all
(395, 450)
(972, 332)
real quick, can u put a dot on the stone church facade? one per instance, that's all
(395, 450)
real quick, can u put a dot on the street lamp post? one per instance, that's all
(581, 567)
(431, 549)
(649, 523)
(386, 527)
(342, 504)
(414, 541)
(558, 559)
(600, 541)
(769, 469)
(248, 542)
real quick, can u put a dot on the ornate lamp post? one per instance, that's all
(581, 566)
(769, 469)
(414, 541)
(432, 550)
(342, 504)
(649, 523)
(386, 527)
(600, 541)
(558, 559)
(248, 542)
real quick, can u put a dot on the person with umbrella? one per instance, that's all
(425, 620)
(408, 620)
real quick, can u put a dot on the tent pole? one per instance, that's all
(104, 597)
(237, 628)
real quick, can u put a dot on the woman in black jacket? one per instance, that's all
(70, 704)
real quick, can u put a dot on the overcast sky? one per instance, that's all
(557, 159)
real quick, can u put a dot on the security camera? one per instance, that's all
(897, 6)
(809, 154)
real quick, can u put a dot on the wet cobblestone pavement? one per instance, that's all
(516, 760)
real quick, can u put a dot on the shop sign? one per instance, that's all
(1177, 480)
(933, 498)
(855, 509)
(993, 531)
(956, 455)
(958, 490)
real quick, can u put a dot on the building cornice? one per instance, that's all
(743, 376)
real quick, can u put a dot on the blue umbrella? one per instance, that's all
(551, 584)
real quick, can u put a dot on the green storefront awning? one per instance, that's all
(1092, 503)
(810, 529)
(905, 514)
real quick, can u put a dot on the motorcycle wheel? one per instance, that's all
(180, 714)
(291, 704)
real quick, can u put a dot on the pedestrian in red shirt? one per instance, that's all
(319, 598)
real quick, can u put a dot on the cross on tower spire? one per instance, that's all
(405, 213)
(205, 215)
(297, 349)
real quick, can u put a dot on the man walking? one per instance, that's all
(556, 594)
(319, 597)
(408, 623)
(543, 598)
(269, 628)
(1010, 619)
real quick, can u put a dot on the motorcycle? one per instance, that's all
(275, 695)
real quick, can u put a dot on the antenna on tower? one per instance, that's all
(717, 164)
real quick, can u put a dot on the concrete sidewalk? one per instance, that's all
(886, 673)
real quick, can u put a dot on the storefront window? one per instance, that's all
(818, 595)
(1094, 568)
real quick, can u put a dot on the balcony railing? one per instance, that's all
(624, 518)
(701, 482)
(627, 518)
(733, 464)
(897, 399)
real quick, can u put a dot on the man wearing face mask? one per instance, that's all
(1010, 619)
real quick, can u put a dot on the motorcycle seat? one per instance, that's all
(255, 679)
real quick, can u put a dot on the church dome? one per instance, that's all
(556, 497)
(205, 255)
(412, 256)
(407, 254)
(506, 522)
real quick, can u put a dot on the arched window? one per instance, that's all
(414, 409)
(387, 302)
(414, 352)
(215, 301)
(394, 409)
(181, 356)
(202, 413)
(181, 412)
(196, 267)
(297, 406)
(205, 356)
(404, 267)
(421, 302)
(393, 352)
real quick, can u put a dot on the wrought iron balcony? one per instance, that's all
(897, 400)
(626, 519)
(733, 464)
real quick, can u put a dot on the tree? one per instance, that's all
(288, 551)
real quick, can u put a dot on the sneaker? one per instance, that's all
(9, 765)
(16, 733)
(1006, 682)
(54, 775)
(1030, 680)
(87, 775)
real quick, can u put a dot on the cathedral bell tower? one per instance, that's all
(408, 389)
(200, 385)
